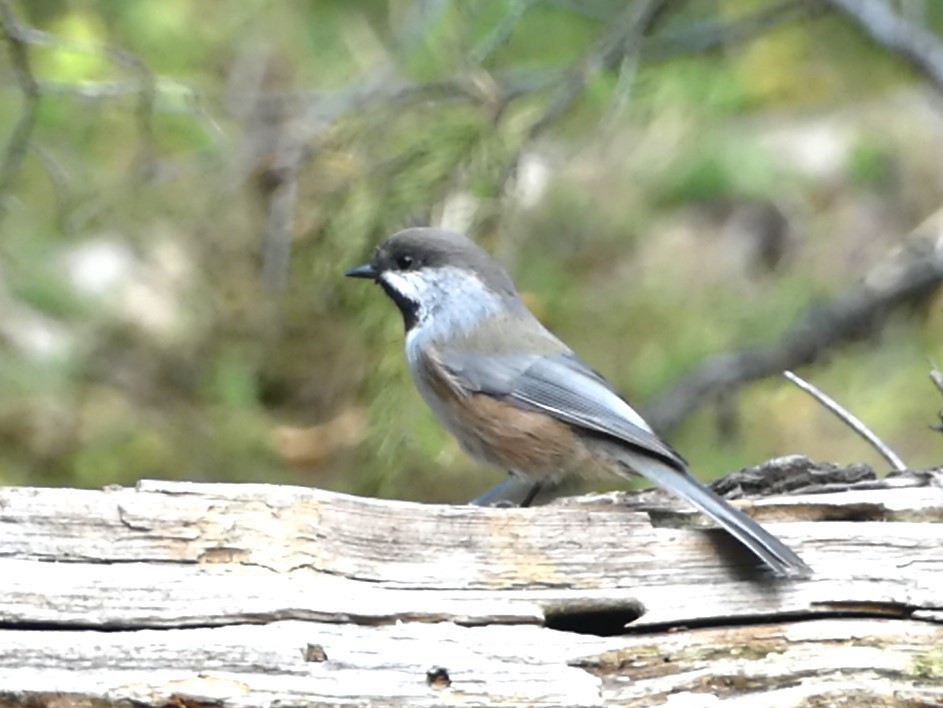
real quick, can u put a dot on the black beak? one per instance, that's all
(363, 271)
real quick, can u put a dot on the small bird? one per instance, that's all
(515, 396)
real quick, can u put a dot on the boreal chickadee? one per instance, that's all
(515, 396)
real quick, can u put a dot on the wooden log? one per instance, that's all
(185, 594)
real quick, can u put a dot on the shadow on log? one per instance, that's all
(183, 594)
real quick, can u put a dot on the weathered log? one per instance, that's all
(190, 594)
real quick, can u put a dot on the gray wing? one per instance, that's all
(562, 385)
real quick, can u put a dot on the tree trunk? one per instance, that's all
(183, 594)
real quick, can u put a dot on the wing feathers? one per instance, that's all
(561, 385)
(569, 390)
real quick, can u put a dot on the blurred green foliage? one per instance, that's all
(160, 139)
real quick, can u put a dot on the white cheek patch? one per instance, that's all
(449, 302)
(456, 297)
(409, 284)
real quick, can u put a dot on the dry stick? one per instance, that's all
(853, 422)
(935, 376)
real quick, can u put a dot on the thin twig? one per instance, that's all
(18, 144)
(276, 253)
(512, 83)
(62, 186)
(624, 40)
(145, 109)
(710, 33)
(619, 48)
(849, 419)
(620, 95)
(937, 378)
(501, 32)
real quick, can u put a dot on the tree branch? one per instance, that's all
(849, 317)
(707, 35)
(919, 46)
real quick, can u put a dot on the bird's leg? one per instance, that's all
(494, 493)
(513, 491)
(532, 493)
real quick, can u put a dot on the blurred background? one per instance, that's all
(183, 184)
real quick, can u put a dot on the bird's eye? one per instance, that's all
(405, 262)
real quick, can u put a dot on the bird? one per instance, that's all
(518, 398)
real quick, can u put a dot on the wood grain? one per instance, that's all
(249, 595)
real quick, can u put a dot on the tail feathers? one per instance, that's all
(783, 560)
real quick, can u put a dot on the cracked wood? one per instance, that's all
(216, 593)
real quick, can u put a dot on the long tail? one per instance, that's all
(681, 483)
